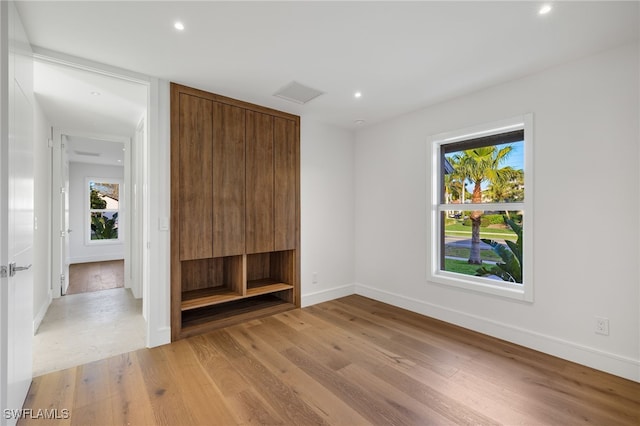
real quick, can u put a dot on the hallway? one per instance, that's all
(86, 327)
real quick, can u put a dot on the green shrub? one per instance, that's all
(510, 269)
(486, 220)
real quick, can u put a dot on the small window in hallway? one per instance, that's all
(104, 207)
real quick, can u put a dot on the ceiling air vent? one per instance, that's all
(298, 93)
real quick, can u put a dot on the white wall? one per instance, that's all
(42, 217)
(79, 250)
(327, 211)
(586, 252)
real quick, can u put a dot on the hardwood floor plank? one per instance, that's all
(398, 374)
(322, 352)
(245, 403)
(383, 339)
(271, 388)
(351, 361)
(325, 403)
(445, 405)
(411, 411)
(195, 386)
(252, 409)
(128, 404)
(221, 371)
(52, 391)
(374, 409)
(167, 402)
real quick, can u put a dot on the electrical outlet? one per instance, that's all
(602, 326)
(314, 278)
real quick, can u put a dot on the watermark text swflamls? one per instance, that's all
(35, 414)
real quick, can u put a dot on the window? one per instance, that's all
(481, 218)
(103, 199)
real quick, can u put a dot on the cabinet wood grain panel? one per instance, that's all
(285, 171)
(202, 273)
(260, 183)
(196, 177)
(228, 180)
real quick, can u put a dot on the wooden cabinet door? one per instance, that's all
(259, 183)
(195, 177)
(285, 161)
(228, 180)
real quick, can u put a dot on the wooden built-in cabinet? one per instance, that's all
(235, 211)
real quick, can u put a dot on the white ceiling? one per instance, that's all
(85, 101)
(95, 151)
(401, 55)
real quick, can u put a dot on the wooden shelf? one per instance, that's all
(195, 299)
(206, 297)
(266, 286)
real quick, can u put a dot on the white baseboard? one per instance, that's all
(41, 313)
(160, 337)
(309, 299)
(626, 367)
(96, 258)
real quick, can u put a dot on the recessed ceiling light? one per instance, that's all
(359, 122)
(544, 9)
(357, 94)
(178, 26)
(94, 93)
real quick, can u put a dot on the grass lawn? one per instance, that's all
(464, 253)
(458, 229)
(461, 267)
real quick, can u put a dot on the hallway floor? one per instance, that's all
(86, 327)
(95, 276)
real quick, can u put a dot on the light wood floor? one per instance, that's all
(95, 276)
(351, 361)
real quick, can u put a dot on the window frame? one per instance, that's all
(88, 210)
(522, 292)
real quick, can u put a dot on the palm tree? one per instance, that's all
(454, 183)
(481, 165)
(506, 190)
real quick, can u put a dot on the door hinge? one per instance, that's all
(61, 278)
(62, 189)
(62, 234)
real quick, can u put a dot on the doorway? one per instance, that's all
(95, 118)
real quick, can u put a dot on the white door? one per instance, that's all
(16, 214)
(60, 215)
(20, 249)
(64, 234)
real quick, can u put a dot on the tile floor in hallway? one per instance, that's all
(86, 327)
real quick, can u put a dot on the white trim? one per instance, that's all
(314, 298)
(482, 206)
(95, 258)
(480, 130)
(158, 337)
(618, 365)
(41, 313)
(57, 58)
(521, 292)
